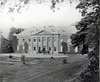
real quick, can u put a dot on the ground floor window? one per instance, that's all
(18, 47)
(49, 48)
(76, 49)
(54, 48)
(68, 48)
(61, 48)
(39, 48)
(34, 48)
(23, 47)
(29, 47)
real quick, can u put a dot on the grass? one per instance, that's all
(42, 70)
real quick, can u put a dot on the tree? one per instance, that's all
(88, 36)
(17, 6)
(12, 38)
(6, 46)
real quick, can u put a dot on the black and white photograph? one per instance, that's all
(49, 40)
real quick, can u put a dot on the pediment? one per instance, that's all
(43, 32)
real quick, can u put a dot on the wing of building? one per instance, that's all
(49, 41)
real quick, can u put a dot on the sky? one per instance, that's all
(39, 15)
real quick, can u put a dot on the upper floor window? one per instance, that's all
(34, 40)
(61, 40)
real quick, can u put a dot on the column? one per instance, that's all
(58, 44)
(37, 44)
(47, 42)
(31, 44)
(52, 42)
(41, 43)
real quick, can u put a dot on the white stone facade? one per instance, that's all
(52, 42)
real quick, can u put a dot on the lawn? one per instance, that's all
(42, 69)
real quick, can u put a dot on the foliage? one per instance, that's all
(88, 35)
(6, 46)
(17, 5)
(23, 59)
(12, 38)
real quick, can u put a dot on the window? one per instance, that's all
(39, 40)
(34, 48)
(76, 49)
(23, 47)
(17, 40)
(61, 48)
(23, 40)
(68, 48)
(61, 40)
(54, 48)
(29, 40)
(49, 48)
(29, 47)
(18, 47)
(34, 40)
(39, 48)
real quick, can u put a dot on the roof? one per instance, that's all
(49, 30)
(28, 32)
(43, 32)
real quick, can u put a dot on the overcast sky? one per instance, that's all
(40, 15)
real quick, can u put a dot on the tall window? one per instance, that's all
(68, 48)
(61, 48)
(18, 47)
(23, 40)
(39, 39)
(34, 40)
(61, 40)
(17, 40)
(29, 47)
(23, 47)
(34, 48)
(76, 49)
(39, 48)
(29, 40)
(49, 48)
(54, 48)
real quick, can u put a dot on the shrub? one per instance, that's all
(23, 59)
(10, 56)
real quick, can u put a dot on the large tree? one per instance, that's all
(6, 46)
(12, 38)
(88, 36)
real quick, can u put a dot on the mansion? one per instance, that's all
(45, 41)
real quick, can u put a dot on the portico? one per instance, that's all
(45, 40)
